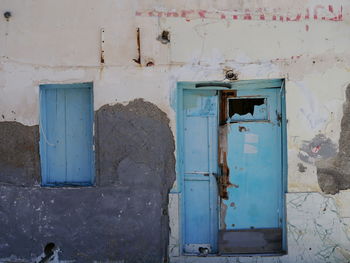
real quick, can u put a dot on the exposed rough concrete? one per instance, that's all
(334, 175)
(19, 154)
(135, 148)
(134, 139)
(86, 224)
(124, 218)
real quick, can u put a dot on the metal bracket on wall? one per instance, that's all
(223, 85)
(102, 55)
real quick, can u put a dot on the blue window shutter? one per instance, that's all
(66, 122)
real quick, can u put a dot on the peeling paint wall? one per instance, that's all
(305, 42)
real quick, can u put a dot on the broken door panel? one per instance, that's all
(253, 159)
(200, 167)
(247, 109)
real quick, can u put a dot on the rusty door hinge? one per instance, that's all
(279, 118)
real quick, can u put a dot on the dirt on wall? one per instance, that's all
(122, 218)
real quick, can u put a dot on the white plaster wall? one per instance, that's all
(317, 232)
(47, 41)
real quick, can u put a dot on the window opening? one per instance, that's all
(246, 109)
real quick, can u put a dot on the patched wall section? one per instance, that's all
(135, 149)
(19, 154)
(123, 218)
(334, 174)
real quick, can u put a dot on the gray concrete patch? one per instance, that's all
(105, 223)
(123, 218)
(334, 174)
(19, 154)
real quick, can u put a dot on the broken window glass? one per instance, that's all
(247, 109)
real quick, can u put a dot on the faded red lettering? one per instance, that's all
(185, 13)
(170, 14)
(297, 18)
(202, 13)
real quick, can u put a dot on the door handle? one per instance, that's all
(204, 173)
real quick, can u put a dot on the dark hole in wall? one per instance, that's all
(48, 250)
(243, 106)
(164, 37)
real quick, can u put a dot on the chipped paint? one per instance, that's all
(224, 178)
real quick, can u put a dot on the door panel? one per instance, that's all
(250, 182)
(54, 131)
(78, 134)
(200, 167)
(254, 160)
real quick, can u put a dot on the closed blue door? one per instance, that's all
(200, 146)
(254, 160)
(66, 136)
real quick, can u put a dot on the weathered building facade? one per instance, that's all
(174, 131)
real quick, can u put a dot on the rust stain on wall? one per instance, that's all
(138, 42)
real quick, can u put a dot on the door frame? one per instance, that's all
(218, 86)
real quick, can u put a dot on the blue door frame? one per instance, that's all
(217, 86)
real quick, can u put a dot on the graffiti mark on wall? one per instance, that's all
(319, 12)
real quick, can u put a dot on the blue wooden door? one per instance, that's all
(66, 136)
(254, 160)
(200, 167)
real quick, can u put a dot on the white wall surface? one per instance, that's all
(47, 41)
